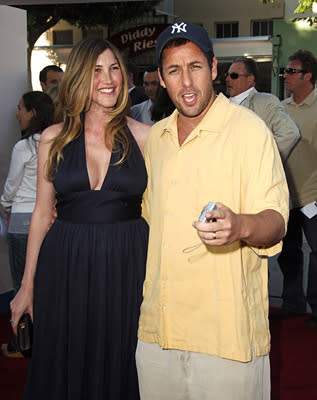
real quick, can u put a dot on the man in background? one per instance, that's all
(241, 81)
(137, 93)
(301, 173)
(51, 75)
(142, 112)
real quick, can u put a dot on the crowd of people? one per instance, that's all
(131, 296)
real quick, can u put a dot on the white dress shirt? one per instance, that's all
(19, 191)
(238, 99)
(142, 112)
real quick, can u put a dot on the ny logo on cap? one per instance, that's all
(179, 27)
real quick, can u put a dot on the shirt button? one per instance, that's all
(165, 278)
(169, 213)
(180, 151)
(173, 182)
(164, 308)
(165, 246)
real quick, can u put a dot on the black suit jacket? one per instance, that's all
(137, 95)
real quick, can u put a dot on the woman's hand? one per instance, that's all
(22, 303)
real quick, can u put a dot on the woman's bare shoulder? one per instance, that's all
(139, 131)
(50, 133)
(138, 128)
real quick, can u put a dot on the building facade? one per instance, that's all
(265, 32)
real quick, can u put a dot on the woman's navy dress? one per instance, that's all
(88, 283)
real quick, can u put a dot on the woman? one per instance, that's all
(35, 113)
(90, 265)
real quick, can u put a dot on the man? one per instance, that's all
(203, 330)
(301, 172)
(137, 94)
(142, 112)
(241, 81)
(50, 76)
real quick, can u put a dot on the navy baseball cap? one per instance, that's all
(194, 33)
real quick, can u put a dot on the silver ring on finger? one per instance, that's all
(214, 235)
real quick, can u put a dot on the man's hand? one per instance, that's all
(265, 228)
(225, 229)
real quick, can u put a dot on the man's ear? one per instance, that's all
(308, 76)
(162, 83)
(251, 81)
(214, 71)
(43, 86)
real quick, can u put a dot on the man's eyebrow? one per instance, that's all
(172, 66)
(190, 63)
(196, 62)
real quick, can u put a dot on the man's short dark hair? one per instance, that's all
(180, 42)
(308, 62)
(151, 68)
(43, 73)
(250, 65)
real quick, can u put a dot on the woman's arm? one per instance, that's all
(15, 174)
(40, 222)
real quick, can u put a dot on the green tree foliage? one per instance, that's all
(302, 7)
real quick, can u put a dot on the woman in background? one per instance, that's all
(35, 113)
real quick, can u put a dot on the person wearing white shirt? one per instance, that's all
(35, 112)
(142, 111)
(240, 82)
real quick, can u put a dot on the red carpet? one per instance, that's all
(293, 362)
(12, 370)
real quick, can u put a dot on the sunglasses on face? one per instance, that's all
(294, 71)
(234, 75)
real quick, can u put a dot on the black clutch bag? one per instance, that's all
(25, 335)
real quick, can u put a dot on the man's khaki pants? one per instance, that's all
(185, 375)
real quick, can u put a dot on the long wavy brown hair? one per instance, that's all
(75, 97)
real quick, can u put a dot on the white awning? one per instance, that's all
(258, 47)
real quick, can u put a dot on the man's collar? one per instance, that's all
(238, 99)
(309, 100)
(213, 120)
